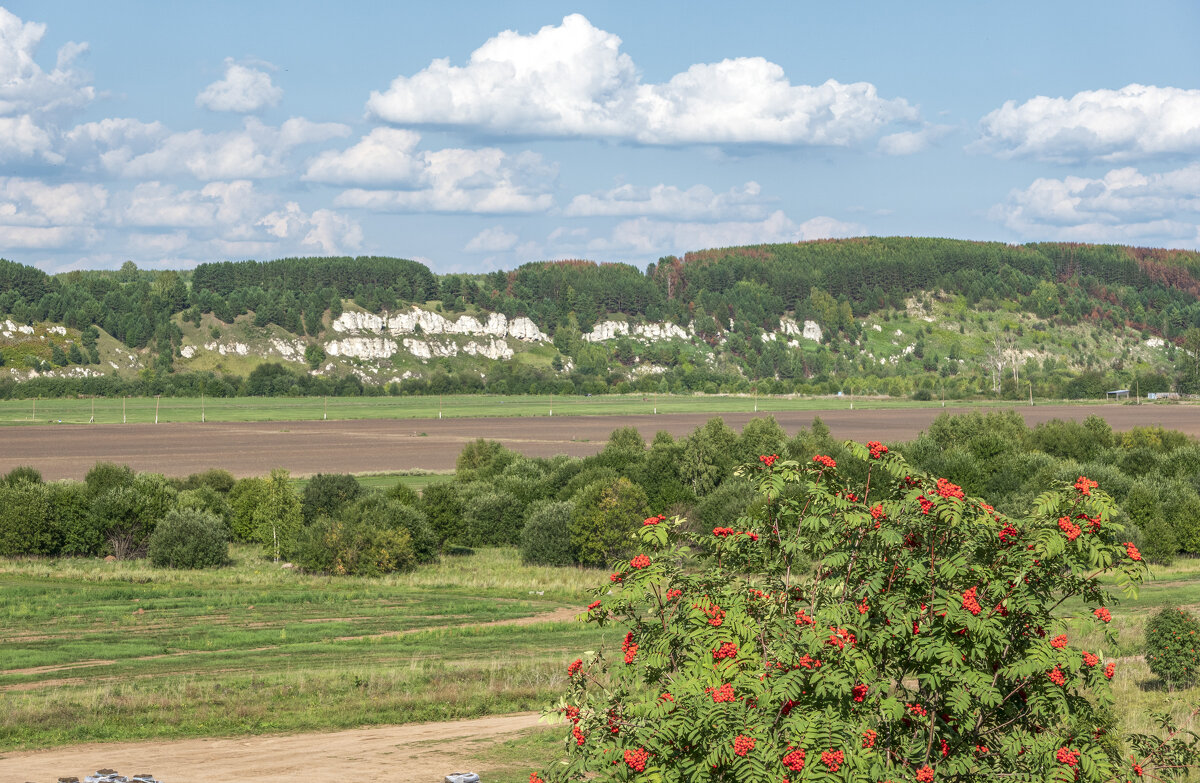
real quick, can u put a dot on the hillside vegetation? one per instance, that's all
(891, 316)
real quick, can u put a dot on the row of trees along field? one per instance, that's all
(732, 297)
(568, 510)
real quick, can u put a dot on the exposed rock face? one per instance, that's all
(241, 349)
(1155, 342)
(292, 351)
(418, 321)
(10, 327)
(187, 351)
(362, 347)
(653, 332)
(492, 349)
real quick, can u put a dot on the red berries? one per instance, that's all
(1110, 670)
(925, 774)
(1056, 676)
(1132, 551)
(1009, 535)
(833, 759)
(768, 460)
(636, 759)
(743, 744)
(594, 605)
(868, 738)
(859, 692)
(653, 520)
(1089, 659)
(876, 448)
(641, 561)
(1069, 528)
(578, 735)
(926, 504)
(672, 594)
(802, 618)
(948, 490)
(1085, 485)
(726, 650)
(917, 709)
(1067, 756)
(716, 615)
(970, 602)
(840, 637)
(723, 532)
(575, 666)
(828, 462)
(794, 760)
(629, 648)
(533, 778)
(1059, 642)
(723, 694)
(1103, 614)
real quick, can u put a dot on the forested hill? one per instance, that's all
(973, 312)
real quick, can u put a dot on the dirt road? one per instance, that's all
(308, 447)
(413, 753)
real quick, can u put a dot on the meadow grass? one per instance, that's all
(190, 409)
(93, 650)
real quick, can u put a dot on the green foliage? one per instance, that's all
(352, 548)
(404, 494)
(546, 537)
(107, 475)
(924, 632)
(128, 513)
(443, 507)
(217, 479)
(1172, 635)
(378, 510)
(189, 538)
(25, 473)
(83, 530)
(326, 493)
(279, 515)
(208, 500)
(26, 526)
(244, 499)
(605, 515)
(490, 516)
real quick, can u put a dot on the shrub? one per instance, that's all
(26, 526)
(334, 547)
(83, 533)
(107, 475)
(605, 515)
(326, 493)
(188, 538)
(443, 508)
(404, 494)
(378, 510)
(215, 479)
(546, 537)
(921, 645)
(23, 473)
(1172, 635)
(205, 498)
(491, 517)
(244, 499)
(127, 513)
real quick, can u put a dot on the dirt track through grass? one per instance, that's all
(308, 447)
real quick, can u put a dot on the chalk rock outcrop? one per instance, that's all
(422, 322)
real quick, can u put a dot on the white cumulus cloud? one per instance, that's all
(698, 202)
(1134, 122)
(485, 180)
(649, 237)
(243, 90)
(492, 240)
(26, 88)
(572, 80)
(31, 202)
(1124, 205)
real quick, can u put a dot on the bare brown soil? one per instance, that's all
(413, 753)
(309, 447)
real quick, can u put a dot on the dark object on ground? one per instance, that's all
(459, 551)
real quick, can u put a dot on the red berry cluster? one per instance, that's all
(641, 561)
(636, 759)
(653, 520)
(1009, 535)
(833, 759)
(876, 448)
(743, 744)
(723, 694)
(1059, 642)
(802, 618)
(970, 602)
(594, 605)
(840, 637)
(925, 774)
(673, 593)
(868, 739)
(578, 735)
(926, 504)
(533, 778)
(948, 490)
(575, 666)
(859, 692)
(768, 460)
(1067, 756)
(1069, 528)
(1085, 485)
(917, 709)
(617, 577)
(828, 462)
(629, 648)
(1089, 659)
(1056, 676)
(1110, 670)
(794, 760)
(1132, 551)
(1103, 614)
(1137, 768)
(726, 650)
(723, 532)
(716, 615)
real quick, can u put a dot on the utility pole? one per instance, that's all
(93, 419)
(551, 403)
(325, 409)
(157, 399)
(1031, 394)
(122, 409)
(1137, 391)
(201, 407)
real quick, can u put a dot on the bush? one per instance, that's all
(188, 538)
(205, 498)
(107, 475)
(922, 644)
(352, 548)
(26, 526)
(218, 480)
(404, 494)
(327, 493)
(71, 508)
(546, 537)
(127, 513)
(442, 506)
(1172, 635)
(244, 499)
(490, 517)
(605, 515)
(23, 473)
(378, 510)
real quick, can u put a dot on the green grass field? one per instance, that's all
(190, 409)
(94, 651)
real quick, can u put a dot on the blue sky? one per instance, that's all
(477, 136)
